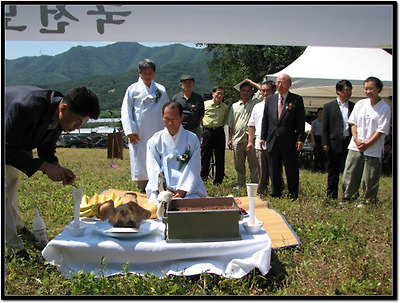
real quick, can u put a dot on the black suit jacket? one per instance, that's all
(290, 127)
(332, 126)
(29, 111)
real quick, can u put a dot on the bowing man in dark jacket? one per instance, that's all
(283, 131)
(35, 118)
(336, 134)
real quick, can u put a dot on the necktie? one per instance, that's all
(280, 107)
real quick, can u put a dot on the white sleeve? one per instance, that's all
(127, 113)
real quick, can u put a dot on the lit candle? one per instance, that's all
(77, 195)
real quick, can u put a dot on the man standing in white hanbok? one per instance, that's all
(174, 151)
(140, 117)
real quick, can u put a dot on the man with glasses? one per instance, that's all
(283, 131)
(267, 88)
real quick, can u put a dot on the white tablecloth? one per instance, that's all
(152, 254)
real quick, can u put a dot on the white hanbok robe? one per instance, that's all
(142, 115)
(163, 152)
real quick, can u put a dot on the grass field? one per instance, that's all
(345, 250)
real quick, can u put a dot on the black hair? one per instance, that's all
(320, 109)
(145, 64)
(271, 83)
(342, 83)
(173, 105)
(378, 82)
(246, 84)
(216, 88)
(83, 101)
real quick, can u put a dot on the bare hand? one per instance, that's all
(179, 194)
(326, 148)
(299, 145)
(262, 143)
(56, 172)
(249, 147)
(69, 176)
(230, 145)
(134, 138)
(363, 145)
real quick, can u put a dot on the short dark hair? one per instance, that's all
(245, 84)
(320, 109)
(173, 105)
(145, 64)
(378, 82)
(271, 83)
(217, 87)
(342, 83)
(83, 101)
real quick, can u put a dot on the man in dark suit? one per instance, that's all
(283, 131)
(336, 134)
(34, 119)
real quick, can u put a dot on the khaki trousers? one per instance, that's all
(240, 154)
(360, 168)
(13, 216)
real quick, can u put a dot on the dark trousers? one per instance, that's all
(319, 155)
(336, 163)
(279, 154)
(213, 143)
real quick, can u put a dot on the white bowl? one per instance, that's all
(74, 231)
(252, 228)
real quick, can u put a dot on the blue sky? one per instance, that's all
(17, 49)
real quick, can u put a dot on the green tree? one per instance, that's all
(231, 63)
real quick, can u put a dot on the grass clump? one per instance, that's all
(345, 251)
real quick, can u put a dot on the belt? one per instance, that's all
(213, 128)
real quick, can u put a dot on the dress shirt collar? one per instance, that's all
(284, 96)
(346, 104)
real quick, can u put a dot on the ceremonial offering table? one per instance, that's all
(98, 252)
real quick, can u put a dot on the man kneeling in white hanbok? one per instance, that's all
(175, 152)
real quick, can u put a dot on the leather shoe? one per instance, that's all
(21, 254)
(27, 233)
(275, 196)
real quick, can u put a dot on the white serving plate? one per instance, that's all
(105, 228)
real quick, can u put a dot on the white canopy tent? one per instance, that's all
(315, 73)
(322, 66)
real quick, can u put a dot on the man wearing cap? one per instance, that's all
(193, 105)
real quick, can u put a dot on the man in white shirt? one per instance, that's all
(174, 151)
(140, 117)
(316, 132)
(370, 122)
(255, 122)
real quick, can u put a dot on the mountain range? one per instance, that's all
(110, 69)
